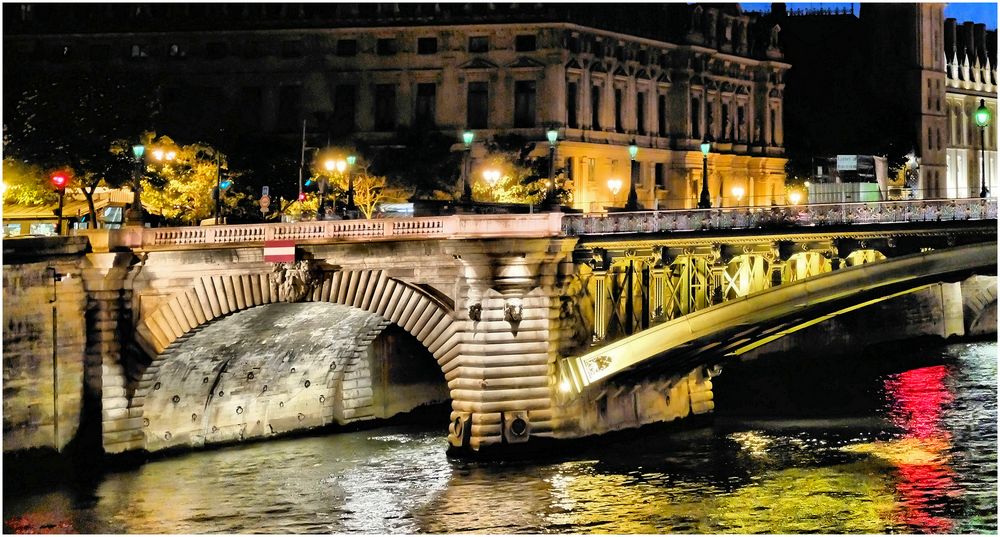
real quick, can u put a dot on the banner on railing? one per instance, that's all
(279, 251)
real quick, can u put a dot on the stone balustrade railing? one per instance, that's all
(388, 229)
(549, 224)
(826, 214)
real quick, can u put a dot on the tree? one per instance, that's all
(26, 184)
(522, 177)
(421, 159)
(182, 188)
(371, 190)
(71, 120)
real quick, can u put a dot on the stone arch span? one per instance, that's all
(415, 310)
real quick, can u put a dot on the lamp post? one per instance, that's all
(351, 159)
(218, 186)
(704, 202)
(134, 217)
(632, 204)
(614, 186)
(550, 192)
(983, 121)
(467, 138)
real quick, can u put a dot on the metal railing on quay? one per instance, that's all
(825, 214)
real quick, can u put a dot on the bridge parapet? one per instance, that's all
(826, 214)
(387, 229)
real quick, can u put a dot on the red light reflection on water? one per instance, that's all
(918, 398)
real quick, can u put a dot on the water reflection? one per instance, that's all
(922, 461)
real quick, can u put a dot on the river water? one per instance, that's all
(918, 454)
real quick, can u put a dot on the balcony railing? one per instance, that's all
(548, 224)
(784, 216)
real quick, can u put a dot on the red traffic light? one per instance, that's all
(59, 180)
(302, 196)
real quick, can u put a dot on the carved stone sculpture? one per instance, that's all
(294, 280)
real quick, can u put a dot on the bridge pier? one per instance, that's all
(509, 301)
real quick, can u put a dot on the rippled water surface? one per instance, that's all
(922, 458)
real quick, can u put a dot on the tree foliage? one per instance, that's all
(182, 188)
(70, 121)
(26, 184)
(523, 178)
(371, 190)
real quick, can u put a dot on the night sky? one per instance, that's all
(973, 11)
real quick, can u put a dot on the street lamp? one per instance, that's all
(795, 197)
(467, 138)
(351, 159)
(632, 204)
(134, 217)
(553, 136)
(704, 202)
(738, 194)
(983, 121)
(491, 176)
(614, 186)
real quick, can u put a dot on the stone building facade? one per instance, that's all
(971, 75)
(681, 74)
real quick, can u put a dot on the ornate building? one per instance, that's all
(665, 76)
(970, 56)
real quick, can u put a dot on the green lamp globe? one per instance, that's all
(705, 147)
(983, 115)
(467, 137)
(138, 150)
(552, 135)
(633, 150)
(351, 159)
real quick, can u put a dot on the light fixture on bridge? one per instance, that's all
(512, 310)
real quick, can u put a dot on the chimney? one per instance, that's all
(980, 31)
(949, 40)
(968, 36)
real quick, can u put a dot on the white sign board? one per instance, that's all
(847, 162)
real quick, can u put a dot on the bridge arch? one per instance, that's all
(379, 302)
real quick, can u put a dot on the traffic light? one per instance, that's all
(59, 180)
(302, 196)
(225, 184)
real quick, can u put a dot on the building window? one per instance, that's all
(741, 121)
(291, 48)
(253, 49)
(618, 110)
(571, 118)
(251, 101)
(477, 112)
(425, 109)
(427, 45)
(695, 117)
(525, 43)
(659, 176)
(479, 43)
(774, 128)
(595, 108)
(385, 47)
(661, 114)
(343, 109)
(289, 107)
(385, 107)
(347, 47)
(100, 52)
(175, 51)
(524, 103)
(139, 51)
(726, 126)
(216, 50)
(640, 112)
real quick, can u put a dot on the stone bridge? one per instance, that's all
(177, 337)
